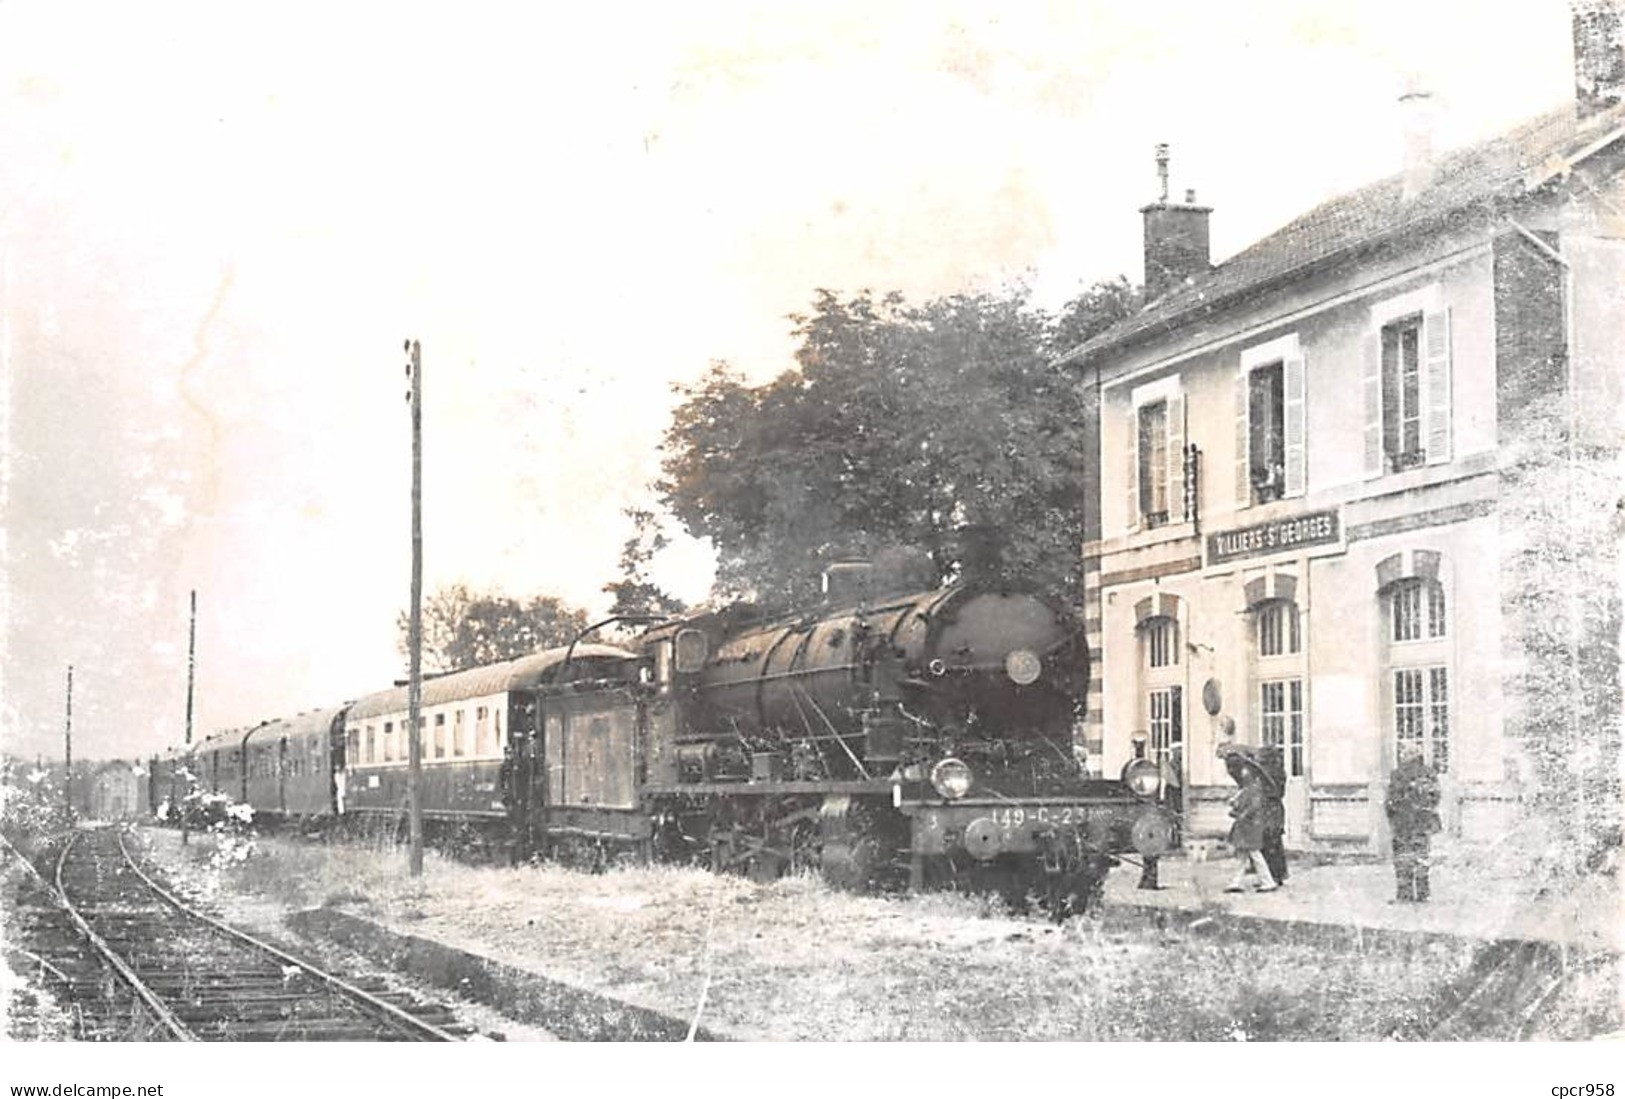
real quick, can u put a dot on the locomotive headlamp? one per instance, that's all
(1143, 777)
(951, 777)
(1023, 667)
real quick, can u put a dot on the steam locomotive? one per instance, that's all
(920, 740)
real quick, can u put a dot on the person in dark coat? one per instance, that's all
(1413, 816)
(1274, 847)
(1248, 811)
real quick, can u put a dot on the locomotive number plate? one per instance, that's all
(1011, 817)
(985, 831)
(1016, 816)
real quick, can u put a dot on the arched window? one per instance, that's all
(1278, 672)
(1164, 714)
(1416, 610)
(1278, 633)
(1416, 631)
(1160, 637)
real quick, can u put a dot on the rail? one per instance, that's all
(405, 1019)
(160, 1011)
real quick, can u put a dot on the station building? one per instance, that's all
(1311, 524)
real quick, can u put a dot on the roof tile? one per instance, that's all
(1508, 165)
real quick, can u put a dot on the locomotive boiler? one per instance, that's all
(924, 738)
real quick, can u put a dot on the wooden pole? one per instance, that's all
(414, 691)
(191, 676)
(67, 750)
(191, 666)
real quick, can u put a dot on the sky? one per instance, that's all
(218, 223)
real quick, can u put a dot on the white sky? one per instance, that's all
(217, 225)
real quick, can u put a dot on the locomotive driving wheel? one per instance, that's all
(863, 847)
(765, 840)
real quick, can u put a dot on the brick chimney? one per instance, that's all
(1176, 237)
(1599, 55)
(1416, 117)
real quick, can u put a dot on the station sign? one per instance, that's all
(1314, 528)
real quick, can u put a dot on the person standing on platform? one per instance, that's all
(1413, 816)
(1274, 847)
(1247, 810)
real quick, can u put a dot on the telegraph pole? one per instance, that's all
(414, 690)
(191, 675)
(191, 666)
(67, 750)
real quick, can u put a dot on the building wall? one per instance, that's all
(115, 793)
(1334, 344)
(1344, 667)
(1592, 239)
(1445, 511)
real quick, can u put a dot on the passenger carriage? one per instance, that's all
(291, 766)
(477, 726)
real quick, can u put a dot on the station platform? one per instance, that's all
(1472, 896)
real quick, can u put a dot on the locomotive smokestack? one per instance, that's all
(981, 552)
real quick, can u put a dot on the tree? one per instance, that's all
(943, 427)
(1092, 312)
(1562, 524)
(464, 628)
(634, 592)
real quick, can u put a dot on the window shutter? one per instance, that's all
(1244, 484)
(1293, 422)
(1373, 403)
(1176, 458)
(1436, 385)
(1131, 514)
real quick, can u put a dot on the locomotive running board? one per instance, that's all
(881, 787)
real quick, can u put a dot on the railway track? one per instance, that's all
(141, 963)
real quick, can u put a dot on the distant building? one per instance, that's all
(117, 792)
(1312, 503)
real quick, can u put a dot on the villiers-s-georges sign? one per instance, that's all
(1316, 528)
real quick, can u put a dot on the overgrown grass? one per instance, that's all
(793, 959)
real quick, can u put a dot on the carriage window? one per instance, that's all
(482, 731)
(439, 736)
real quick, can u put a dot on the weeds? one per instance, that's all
(795, 959)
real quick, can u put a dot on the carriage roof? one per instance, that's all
(309, 723)
(525, 673)
(225, 738)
